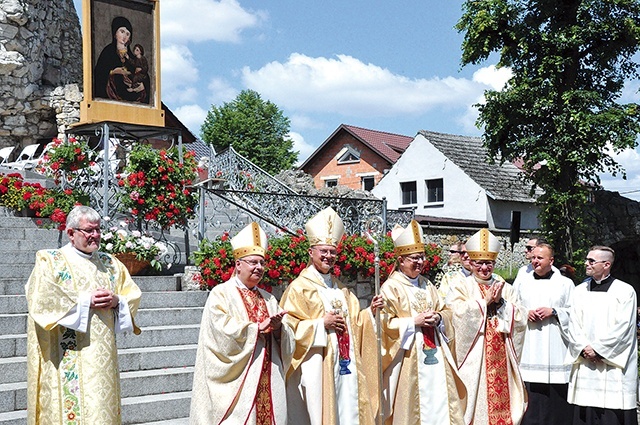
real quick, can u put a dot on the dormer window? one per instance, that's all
(348, 155)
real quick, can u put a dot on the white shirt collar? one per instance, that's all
(325, 277)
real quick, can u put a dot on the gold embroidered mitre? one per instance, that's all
(483, 245)
(249, 241)
(325, 228)
(408, 241)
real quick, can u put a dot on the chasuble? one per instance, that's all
(319, 390)
(72, 373)
(239, 372)
(421, 385)
(488, 345)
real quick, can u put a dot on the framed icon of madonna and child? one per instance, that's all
(121, 61)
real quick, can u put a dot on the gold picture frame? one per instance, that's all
(121, 62)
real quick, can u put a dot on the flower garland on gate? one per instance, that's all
(287, 256)
(156, 186)
(66, 157)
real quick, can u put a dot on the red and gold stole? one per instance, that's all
(495, 355)
(257, 311)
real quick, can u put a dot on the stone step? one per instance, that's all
(17, 323)
(158, 336)
(157, 283)
(50, 236)
(13, 345)
(9, 257)
(148, 358)
(15, 285)
(22, 245)
(151, 338)
(159, 407)
(166, 316)
(18, 271)
(14, 369)
(13, 323)
(13, 396)
(16, 417)
(173, 299)
(157, 381)
(179, 421)
(13, 304)
(12, 286)
(10, 221)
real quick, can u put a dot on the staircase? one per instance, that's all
(156, 367)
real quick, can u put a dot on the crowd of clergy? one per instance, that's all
(469, 349)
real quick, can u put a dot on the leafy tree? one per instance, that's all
(560, 111)
(255, 128)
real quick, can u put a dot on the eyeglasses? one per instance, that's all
(591, 261)
(253, 263)
(416, 259)
(326, 252)
(453, 251)
(489, 264)
(529, 247)
(88, 232)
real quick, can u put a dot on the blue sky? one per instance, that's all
(385, 65)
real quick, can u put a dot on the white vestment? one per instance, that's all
(545, 343)
(607, 322)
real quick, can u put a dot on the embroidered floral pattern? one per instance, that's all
(498, 403)
(71, 409)
(257, 311)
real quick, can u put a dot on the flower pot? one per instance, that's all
(135, 266)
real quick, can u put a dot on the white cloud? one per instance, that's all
(350, 87)
(304, 122)
(630, 161)
(299, 144)
(202, 20)
(179, 74)
(220, 91)
(493, 77)
(192, 116)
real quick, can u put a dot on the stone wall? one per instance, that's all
(40, 50)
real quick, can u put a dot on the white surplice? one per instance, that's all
(545, 343)
(607, 322)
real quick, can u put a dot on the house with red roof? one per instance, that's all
(355, 157)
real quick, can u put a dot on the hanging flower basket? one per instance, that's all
(131, 262)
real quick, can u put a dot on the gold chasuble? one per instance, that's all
(73, 376)
(488, 346)
(419, 388)
(317, 392)
(239, 372)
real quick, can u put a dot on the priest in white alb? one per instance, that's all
(420, 380)
(78, 300)
(603, 347)
(547, 296)
(245, 346)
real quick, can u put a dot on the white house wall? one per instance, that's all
(463, 198)
(499, 214)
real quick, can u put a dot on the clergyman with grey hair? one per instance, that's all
(78, 299)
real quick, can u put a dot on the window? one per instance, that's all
(348, 155)
(331, 183)
(367, 182)
(409, 193)
(435, 190)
